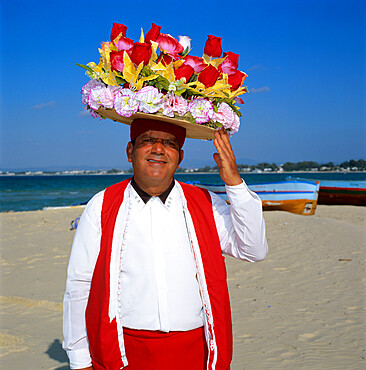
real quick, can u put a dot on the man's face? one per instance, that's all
(155, 157)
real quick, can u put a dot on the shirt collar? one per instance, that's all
(146, 197)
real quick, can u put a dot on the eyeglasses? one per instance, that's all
(167, 143)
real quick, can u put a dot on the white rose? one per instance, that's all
(185, 41)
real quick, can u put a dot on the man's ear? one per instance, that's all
(181, 155)
(129, 150)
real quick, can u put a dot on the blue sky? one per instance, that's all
(305, 62)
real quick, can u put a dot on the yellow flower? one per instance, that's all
(164, 71)
(131, 74)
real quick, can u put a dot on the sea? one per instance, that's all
(32, 192)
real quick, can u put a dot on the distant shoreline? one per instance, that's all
(102, 173)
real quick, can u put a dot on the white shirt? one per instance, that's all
(159, 286)
(159, 290)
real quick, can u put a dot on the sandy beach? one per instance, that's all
(301, 308)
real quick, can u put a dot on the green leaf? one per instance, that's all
(192, 120)
(179, 92)
(146, 71)
(165, 83)
(85, 67)
(190, 93)
(120, 80)
(193, 78)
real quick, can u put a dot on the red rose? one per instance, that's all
(153, 33)
(196, 63)
(213, 46)
(232, 58)
(169, 45)
(165, 58)
(117, 60)
(237, 79)
(117, 29)
(125, 43)
(230, 64)
(184, 71)
(141, 52)
(209, 76)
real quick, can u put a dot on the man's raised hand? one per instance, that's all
(225, 159)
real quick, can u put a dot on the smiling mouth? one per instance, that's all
(154, 161)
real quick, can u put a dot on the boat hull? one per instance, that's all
(295, 197)
(342, 196)
(340, 192)
(303, 207)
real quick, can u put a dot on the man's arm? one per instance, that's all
(240, 226)
(83, 257)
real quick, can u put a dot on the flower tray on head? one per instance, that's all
(133, 81)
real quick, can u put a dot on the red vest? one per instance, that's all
(102, 333)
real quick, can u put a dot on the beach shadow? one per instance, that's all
(56, 352)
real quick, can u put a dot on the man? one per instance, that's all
(146, 286)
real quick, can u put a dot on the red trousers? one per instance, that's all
(156, 350)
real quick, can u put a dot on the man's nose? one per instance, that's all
(158, 147)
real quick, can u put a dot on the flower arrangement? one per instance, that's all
(131, 77)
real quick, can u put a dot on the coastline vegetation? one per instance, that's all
(304, 166)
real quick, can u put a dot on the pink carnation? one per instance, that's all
(102, 96)
(86, 89)
(235, 126)
(175, 103)
(224, 115)
(150, 99)
(125, 103)
(227, 117)
(201, 110)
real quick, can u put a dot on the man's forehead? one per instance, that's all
(158, 134)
